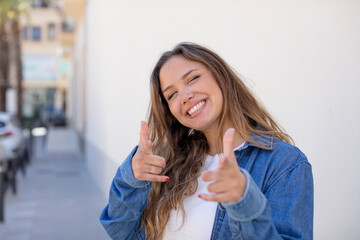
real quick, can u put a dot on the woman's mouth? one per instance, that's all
(196, 108)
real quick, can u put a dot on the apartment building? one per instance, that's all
(47, 35)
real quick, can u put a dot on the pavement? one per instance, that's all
(57, 198)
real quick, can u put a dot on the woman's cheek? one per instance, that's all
(173, 111)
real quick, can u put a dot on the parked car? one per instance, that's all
(4, 162)
(12, 154)
(11, 133)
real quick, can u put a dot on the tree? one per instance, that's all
(10, 12)
(4, 54)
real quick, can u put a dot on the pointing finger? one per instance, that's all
(144, 132)
(228, 139)
(144, 144)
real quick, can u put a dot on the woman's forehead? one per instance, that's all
(176, 67)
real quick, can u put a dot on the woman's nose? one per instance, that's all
(186, 96)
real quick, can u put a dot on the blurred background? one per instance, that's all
(74, 86)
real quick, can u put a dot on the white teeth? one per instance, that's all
(196, 108)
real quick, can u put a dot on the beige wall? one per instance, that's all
(41, 17)
(301, 58)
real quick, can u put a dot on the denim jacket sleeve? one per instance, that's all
(121, 218)
(281, 210)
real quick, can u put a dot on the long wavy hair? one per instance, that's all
(185, 149)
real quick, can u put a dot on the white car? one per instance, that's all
(11, 134)
(11, 143)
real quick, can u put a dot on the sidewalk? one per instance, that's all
(57, 199)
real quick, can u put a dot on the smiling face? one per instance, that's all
(192, 93)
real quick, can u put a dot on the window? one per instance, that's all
(36, 33)
(39, 3)
(68, 25)
(35, 3)
(51, 31)
(25, 33)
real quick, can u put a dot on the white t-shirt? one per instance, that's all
(200, 214)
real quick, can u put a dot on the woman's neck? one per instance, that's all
(212, 139)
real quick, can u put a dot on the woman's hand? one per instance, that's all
(228, 180)
(145, 165)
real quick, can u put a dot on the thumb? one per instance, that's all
(144, 143)
(228, 148)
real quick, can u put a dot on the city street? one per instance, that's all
(57, 198)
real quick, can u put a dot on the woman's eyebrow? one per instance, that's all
(188, 72)
(167, 88)
(183, 77)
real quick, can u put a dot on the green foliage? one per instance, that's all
(10, 9)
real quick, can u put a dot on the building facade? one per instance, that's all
(48, 35)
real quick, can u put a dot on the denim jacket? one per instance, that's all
(277, 202)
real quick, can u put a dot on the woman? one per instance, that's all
(212, 164)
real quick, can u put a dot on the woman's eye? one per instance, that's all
(194, 78)
(171, 95)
